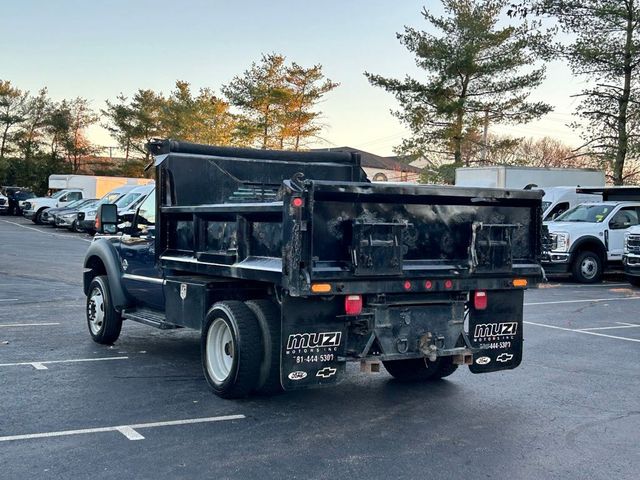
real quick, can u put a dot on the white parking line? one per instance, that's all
(590, 300)
(45, 233)
(45, 324)
(609, 328)
(583, 331)
(597, 285)
(8, 299)
(128, 431)
(41, 365)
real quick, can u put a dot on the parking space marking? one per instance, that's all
(42, 365)
(598, 285)
(44, 324)
(46, 233)
(630, 325)
(8, 299)
(128, 431)
(583, 331)
(590, 300)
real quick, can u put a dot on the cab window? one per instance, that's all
(624, 218)
(147, 213)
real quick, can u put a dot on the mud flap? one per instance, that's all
(313, 339)
(497, 332)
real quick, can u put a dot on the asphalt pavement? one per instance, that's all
(70, 408)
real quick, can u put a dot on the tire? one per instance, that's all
(231, 349)
(635, 281)
(268, 315)
(38, 218)
(587, 267)
(103, 320)
(75, 228)
(420, 369)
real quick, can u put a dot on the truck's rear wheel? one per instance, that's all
(103, 320)
(420, 369)
(587, 267)
(268, 315)
(231, 349)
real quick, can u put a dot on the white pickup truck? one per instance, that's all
(34, 207)
(589, 238)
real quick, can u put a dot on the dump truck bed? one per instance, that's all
(298, 219)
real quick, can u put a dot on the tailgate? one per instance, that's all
(365, 232)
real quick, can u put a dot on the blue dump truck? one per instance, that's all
(291, 264)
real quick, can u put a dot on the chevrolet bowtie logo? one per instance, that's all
(326, 372)
(504, 357)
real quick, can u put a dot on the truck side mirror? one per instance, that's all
(107, 218)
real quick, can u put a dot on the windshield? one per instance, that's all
(110, 197)
(58, 194)
(127, 200)
(592, 213)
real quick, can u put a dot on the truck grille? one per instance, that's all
(27, 205)
(2, 200)
(80, 215)
(633, 243)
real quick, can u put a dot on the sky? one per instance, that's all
(99, 49)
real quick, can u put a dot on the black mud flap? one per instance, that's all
(497, 332)
(313, 339)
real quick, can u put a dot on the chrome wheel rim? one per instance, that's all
(95, 311)
(220, 350)
(589, 268)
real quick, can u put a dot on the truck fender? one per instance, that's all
(589, 242)
(102, 259)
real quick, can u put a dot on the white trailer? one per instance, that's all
(528, 177)
(93, 186)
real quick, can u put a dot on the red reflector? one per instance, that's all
(297, 202)
(428, 284)
(448, 284)
(480, 300)
(407, 285)
(353, 304)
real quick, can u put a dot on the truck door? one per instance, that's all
(141, 278)
(68, 198)
(619, 224)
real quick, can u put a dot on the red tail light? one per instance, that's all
(448, 284)
(297, 202)
(428, 284)
(353, 304)
(407, 285)
(480, 300)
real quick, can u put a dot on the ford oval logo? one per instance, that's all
(297, 375)
(483, 360)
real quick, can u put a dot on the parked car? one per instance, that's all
(16, 198)
(67, 216)
(35, 207)
(4, 203)
(87, 216)
(47, 216)
(589, 239)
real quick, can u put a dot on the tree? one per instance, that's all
(12, 112)
(260, 92)
(307, 87)
(603, 48)
(477, 72)
(66, 127)
(32, 133)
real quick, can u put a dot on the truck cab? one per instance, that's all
(558, 200)
(35, 207)
(589, 239)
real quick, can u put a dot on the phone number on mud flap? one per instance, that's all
(315, 358)
(492, 346)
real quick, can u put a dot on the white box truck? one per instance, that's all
(70, 188)
(528, 177)
(92, 186)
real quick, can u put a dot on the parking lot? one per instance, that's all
(70, 408)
